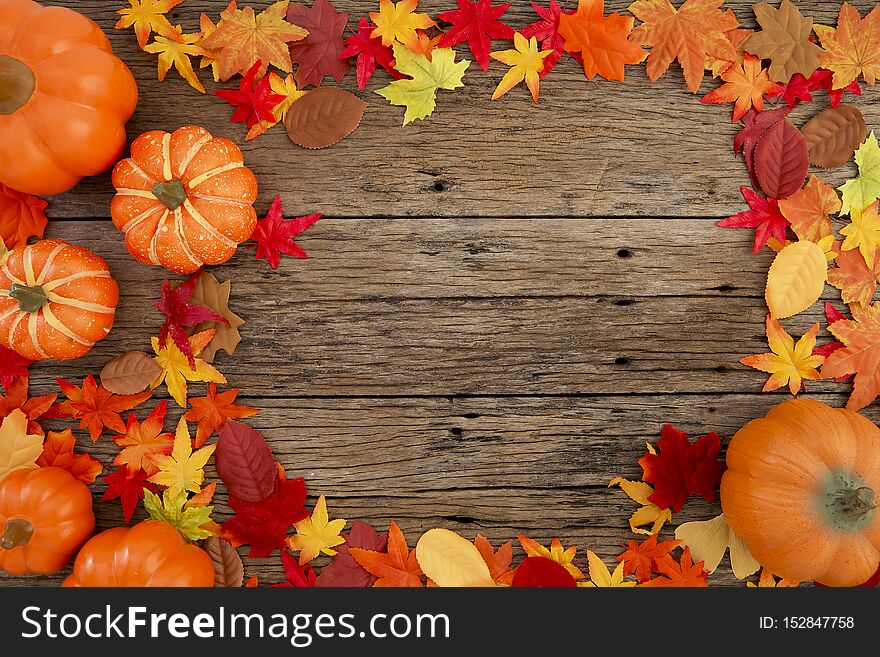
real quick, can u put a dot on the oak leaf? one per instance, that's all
(784, 39)
(344, 570)
(477, 22)
(853, 48)
(745, 85)
(129, 487)
(601, 577)
(95, 406)
(129, 373)
(143, 441)
(648, 513)
(708, 540)
(171, 508)
(808, 210)
(564, 557)
(396, 567)
(449, 560)
(183, 469)
(58, 452)
(397, 21)
(176, 370)
(834, 134)
(526, 63)
(245, 463)
(316, 534)
(228, 568)
(680, 574)
(318, 55)
(19, 450)
(860, 354)
(788, 363)
(21, 216)
(764, 216)
(212, 411)
(796, 278)
(863, 190)
(640, 559)
(176, 50)
(147, 16)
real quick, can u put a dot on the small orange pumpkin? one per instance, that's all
(56, 300)
(801, 490)
(64, 98)
(151, 553)
(184, 200)
(45, 515)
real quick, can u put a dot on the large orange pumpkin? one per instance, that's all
(64, 98)
(45, 515)
(184, 200)
(801, 490)
(151, 553)
(56, 300)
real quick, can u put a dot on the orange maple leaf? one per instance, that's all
(243, 38)
(34, 408)
(212, 411)
(95, 406)
(737, 37)
(860, 354)
(692, 33)
(147, 16)
(603, 41)
(641, 558)
(745, 85)
(808, 210)
(58, 453)
(396, 567)
(21, 216)
(853, 48)
(856, 281)
(498, 561)
(143, 441)
(678, 574)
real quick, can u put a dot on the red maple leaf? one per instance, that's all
(180, 313)
(822, 79)
(12, 366)
(832, 315)
(274, 234)
(681, 468)
(299, 577)
(344, 570)
(755, 126)
(541, 572)
(679, 574)
(797, 89)
(369, 52)
(129, 487)
(477, 23)
(546, 31)
(641, 558)
(764, 216)
(318, 54)
(263, 525)
(253, 100)
(34, 407)
(95, 406)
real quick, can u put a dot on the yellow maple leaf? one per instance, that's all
(526, 63)
(396, 21)
(556, 552)
(708, 540)
(147, 16)
(209, 57)
(242, 38)
(176, 370)
(768, 581)
(284, 87)
(648, 513)
(863, 233)
(176, 51)
(853, 48)
(183, 469)
(864, 189)
(316, 534)
(19, 450)
(789, 363)
(601, 577)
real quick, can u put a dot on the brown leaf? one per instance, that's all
(228, 569)
(323, 117)
(214, 295)
(834, 135)
(130, 373)
(785, 40)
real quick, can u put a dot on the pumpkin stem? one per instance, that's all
(171, 193)
(30, 299)
(847, 503)
(17, 84)
(18, 532)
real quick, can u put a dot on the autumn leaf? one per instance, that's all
(326, 116)
(602, 42)
(129, 488)
(477, 22)
(176, 370)
(498, 560)
(396, 567)
(318, 55)
(681, 574)
(824, 79)
(243, 38)
(863, 190)
(143, 441)
(808, 210)
(525, 61)
(344, 570)
(855, 280)
(764, 216)
(369, 51)
(58, 453)
(547, 32)
(147, 16)
(21, 216)
(540, 572)
(755, 126)
(449, 560)
(419, 93)
(254, 104)
(853, 49)
(768, 581)
(863, 233)
(245, 463)
(171, 508)
(834, 134)
(691, 33)
(183, 469)
(212, 411)
(228, 568)
(396, 21)
(737, 37)
(784, 39)
(19, 450)
(781, 160)
(96, 407)
(176, 50)
(745, 85)
(214, 295)
(601, 577)
(16, 398)
(297, 576)
(564, 557)
(13, 367)
(648, 513)
(287, 88)
(640, 559)
(316, 534)
(180, 313)
(708, 540)
(860, 354)
(789, 363)
(129, 373)
(682, 468)
(275, 235)
(796, 278)
(209, 57)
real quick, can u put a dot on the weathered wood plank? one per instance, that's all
(587, 149)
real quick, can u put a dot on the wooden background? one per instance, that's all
(503, 303)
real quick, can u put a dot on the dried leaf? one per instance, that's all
(784, 39)
(683, 573)
(95, 406)
(856, 281)
(176, 370)
(143, 441)
(147, 16)
(211, 293)
(449, 560)
(183, 469)
(782, 160)
(245, 463)
(397, 567)
(648, 513)
(228, 568)
(863, 233)
(601, 577)
(834, 134)
(323, 117)
(796, 279)
(640, 559)
(213, 410)
(317, 534)
(130, 373)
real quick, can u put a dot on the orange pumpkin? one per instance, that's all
(184, 200)
(64, 98)
(801, 490)
(45, 515)
(151, 553)
(56, 300)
